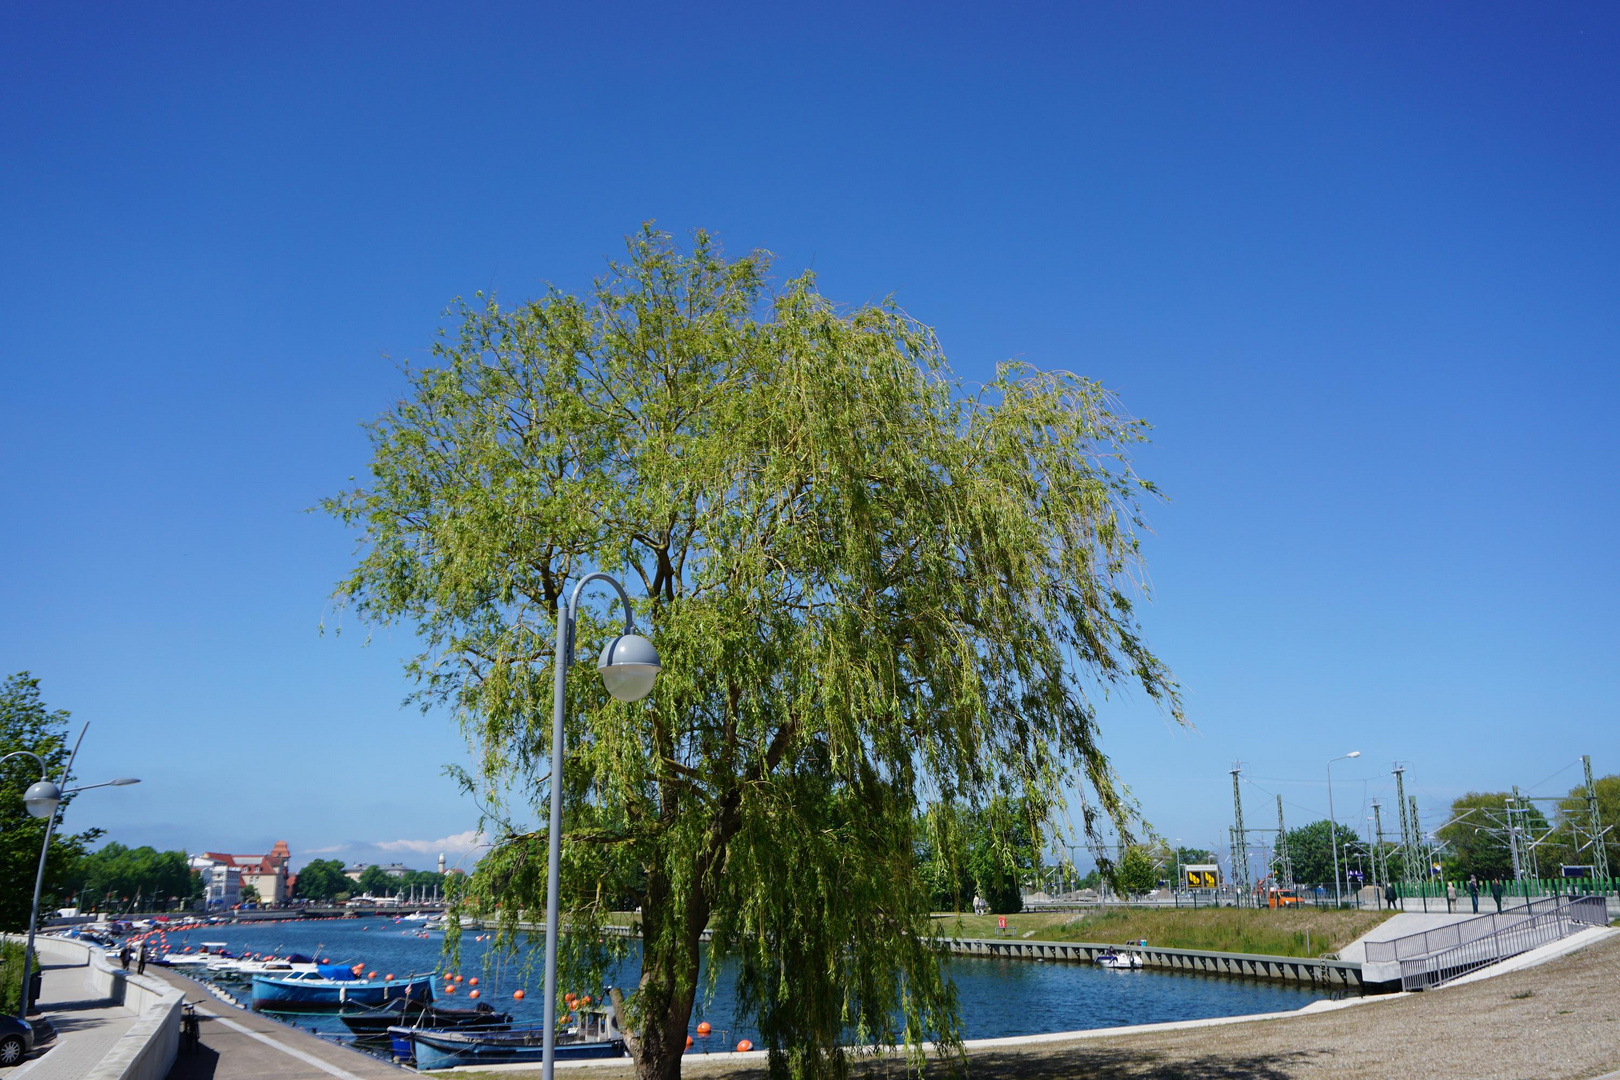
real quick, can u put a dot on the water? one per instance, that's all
(997, 997)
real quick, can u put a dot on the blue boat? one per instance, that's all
(333, 987)
(595, 1036)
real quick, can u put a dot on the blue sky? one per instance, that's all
(1356, 265)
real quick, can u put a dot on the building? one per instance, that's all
(222, 881)
(225, 875)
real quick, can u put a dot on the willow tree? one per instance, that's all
(876, 591)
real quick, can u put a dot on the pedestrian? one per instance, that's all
(1390, 897)
(1451, 896)
(123, 955)
(1496, 893)
(140, 960)
(1473, 891)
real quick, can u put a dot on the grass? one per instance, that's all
(1274, 933)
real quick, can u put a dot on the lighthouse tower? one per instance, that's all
(441, 862)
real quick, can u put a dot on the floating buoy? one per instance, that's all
(689, 1042)
(744, 1046)
(473, 994)
(458, 978)
(586, 1000)
(704, 1028)
(473, 981)
(450, 989)
(517, 995)
(388, 977)
(371, 974)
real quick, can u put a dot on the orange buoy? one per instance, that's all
(473, 981)
(473, 994)
(689, 1042)
(388, 977)
(704, 1028)
(458, 978)
(371, 974)
(744, 1046)
(517, 995)
(450, 989)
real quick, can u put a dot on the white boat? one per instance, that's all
(1118, 961)
(208, 952)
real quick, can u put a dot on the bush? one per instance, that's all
(11, 969)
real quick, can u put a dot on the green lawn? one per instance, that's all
(1275, 933)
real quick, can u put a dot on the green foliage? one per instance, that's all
(1572, 844)
(872, 588)
(1136, 872)
(322, 879)
(1311, 852)
(116, 877)
(11, 973)
(1476, 840)
(374, 881)
(26, 724)
(985, 852)
(249, 894)
(1192, 855)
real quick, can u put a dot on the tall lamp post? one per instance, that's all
(628, 665)
(1333, 825)
(42, 799)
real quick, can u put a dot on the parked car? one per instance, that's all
(16, 1040)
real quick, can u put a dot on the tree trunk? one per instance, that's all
(668, 988)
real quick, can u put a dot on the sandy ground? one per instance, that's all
(1558, 1021)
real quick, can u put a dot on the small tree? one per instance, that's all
(26, 724)
(1136, 873)
(249, 894)
(322, 879)
(375, 881)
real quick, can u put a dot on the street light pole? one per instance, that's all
(628, 665)
(43, 799)
(1333, 825)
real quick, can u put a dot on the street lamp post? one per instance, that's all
(42, 799)
(1333, 825)
(628, 665)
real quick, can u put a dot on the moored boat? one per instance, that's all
(1118, 961)
(332, 987)
(402, 1013)
(596, 1035)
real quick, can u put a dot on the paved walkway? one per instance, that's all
(241, 1045)
(85, 1026)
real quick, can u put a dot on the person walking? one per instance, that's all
(1473, 891)
(140, 960)
(123, 955)
(1451, 896)
(1496, 893)
(1390, 897)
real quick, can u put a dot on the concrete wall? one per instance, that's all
(148, 1049)
(1335, 973)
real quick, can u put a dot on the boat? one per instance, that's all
(1118, 961)
(596, 1035)
(332, 987)
(209, 952)
(241, 970)
(403, 1013)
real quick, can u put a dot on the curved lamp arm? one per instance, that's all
(573, 606)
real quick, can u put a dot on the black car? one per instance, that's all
(16, 1039)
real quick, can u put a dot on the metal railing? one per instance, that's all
(1458, 933)
(1518, 936)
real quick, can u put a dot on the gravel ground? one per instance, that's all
(1558, 1021)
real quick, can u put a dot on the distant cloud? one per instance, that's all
(458, 844)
